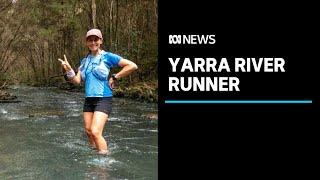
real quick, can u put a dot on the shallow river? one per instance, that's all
(42, 137)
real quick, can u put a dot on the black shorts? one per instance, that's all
(102, 104)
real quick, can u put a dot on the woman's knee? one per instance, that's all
(96, 132)
(88, 131)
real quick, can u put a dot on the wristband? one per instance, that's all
(114, 77)
(71, 73)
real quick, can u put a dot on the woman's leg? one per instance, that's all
(98, 122)
(88, 117)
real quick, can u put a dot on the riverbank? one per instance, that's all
(142, 91)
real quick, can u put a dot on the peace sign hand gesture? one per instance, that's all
(65, 64)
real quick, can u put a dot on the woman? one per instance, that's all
(94, 71)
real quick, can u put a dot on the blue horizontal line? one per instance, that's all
(238, 101)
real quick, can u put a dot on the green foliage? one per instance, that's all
(45, 33)
(52, 28)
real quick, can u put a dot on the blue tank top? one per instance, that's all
(95, 87)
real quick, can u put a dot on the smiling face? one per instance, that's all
(94, 43)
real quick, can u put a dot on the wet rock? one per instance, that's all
(6, 96)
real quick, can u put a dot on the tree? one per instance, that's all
(94, 12)
(45, 30)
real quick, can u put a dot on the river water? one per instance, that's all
(42, 137)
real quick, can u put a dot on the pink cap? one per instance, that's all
(94, 32)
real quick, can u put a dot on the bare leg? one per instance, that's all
(98, 122)
(88, 117)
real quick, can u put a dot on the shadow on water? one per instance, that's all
(42, 138)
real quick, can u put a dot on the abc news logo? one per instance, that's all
(192, 39)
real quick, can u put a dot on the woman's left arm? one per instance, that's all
(127, 68)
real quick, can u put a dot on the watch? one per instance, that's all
(113, 76)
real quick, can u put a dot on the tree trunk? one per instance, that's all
(111, 24)
(94, 12)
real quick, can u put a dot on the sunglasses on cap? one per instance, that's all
(93, 38)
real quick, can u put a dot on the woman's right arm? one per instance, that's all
(72, 77)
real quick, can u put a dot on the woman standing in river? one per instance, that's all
(94, 71)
